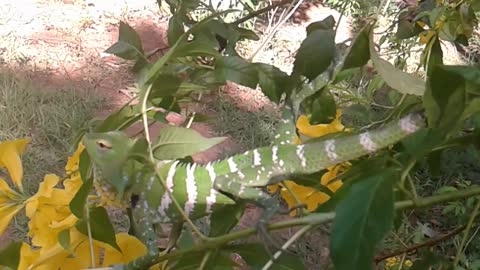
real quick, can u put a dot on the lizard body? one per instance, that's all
(200, 189)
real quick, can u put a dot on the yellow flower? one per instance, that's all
(74, 160)
(74, 183)
(307, 195)
(50, 218)
(425, 36)
(394, 263)
(10, 152)
(78, 257)
(11, 201)
(27, 256)
(315, 131)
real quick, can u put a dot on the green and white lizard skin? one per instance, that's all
(199, 189)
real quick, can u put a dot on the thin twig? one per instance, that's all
(313, 219)
(316, 219)
(90, 238)
(429, 243)
(285, 246)
(270, 35)
(467, 232)
(260, 11)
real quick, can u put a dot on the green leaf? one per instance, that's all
(470, 73)
(165, 85)
(64, 239)
(395, 78)
(472, 108)
(256, 256)
(84, 166)
(320, 107)
(175, 29)
(79, 201)
(312, 180)
(101, 227)
(434, 160)
(196, 48)
(407, 29)
(236, 69)
(157, 67)
(129, 46)
(10, 255)
(186, 240)
(444, 100)
(177, 142)
(363, 218)
(422, 142)
(232, 35)
(272, 81)
(309, 89)
(169, 103)
(245, 33)
(475, 4)
(119, 120)
(434, 55)
(315, 54)
(225, 217)
(358, 54)
(325, 24)
(206, 78)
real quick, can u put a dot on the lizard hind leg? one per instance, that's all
(145, 232)
(257, 196)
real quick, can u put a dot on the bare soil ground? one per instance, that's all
(61, 43)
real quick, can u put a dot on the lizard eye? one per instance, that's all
(104, 144)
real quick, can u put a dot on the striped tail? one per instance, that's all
(313, 157)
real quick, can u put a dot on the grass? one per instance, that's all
(248, 129)
(50, 117)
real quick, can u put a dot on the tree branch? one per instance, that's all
(260, 11)
(429, 243)
(315, 219)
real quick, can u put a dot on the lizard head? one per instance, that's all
(109, 152)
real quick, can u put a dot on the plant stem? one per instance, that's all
(260, 11)
(467, 232)
(315, 219)
(152, 161)
(90, 238)
(274, 30)
(421, 245)
(287, 244)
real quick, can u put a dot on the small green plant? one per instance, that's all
(52, 117)
(356, 182)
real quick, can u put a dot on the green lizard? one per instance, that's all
(199, 189)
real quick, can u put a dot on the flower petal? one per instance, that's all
(314, 131)
(10, 152)
(27, 256)
(44, 190)
(6, 193)
(74, 160)
(6, 214)
(130, 246)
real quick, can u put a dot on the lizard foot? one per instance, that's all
(271, 244)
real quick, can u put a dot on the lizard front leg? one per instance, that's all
(237, 185)
(146, 234)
